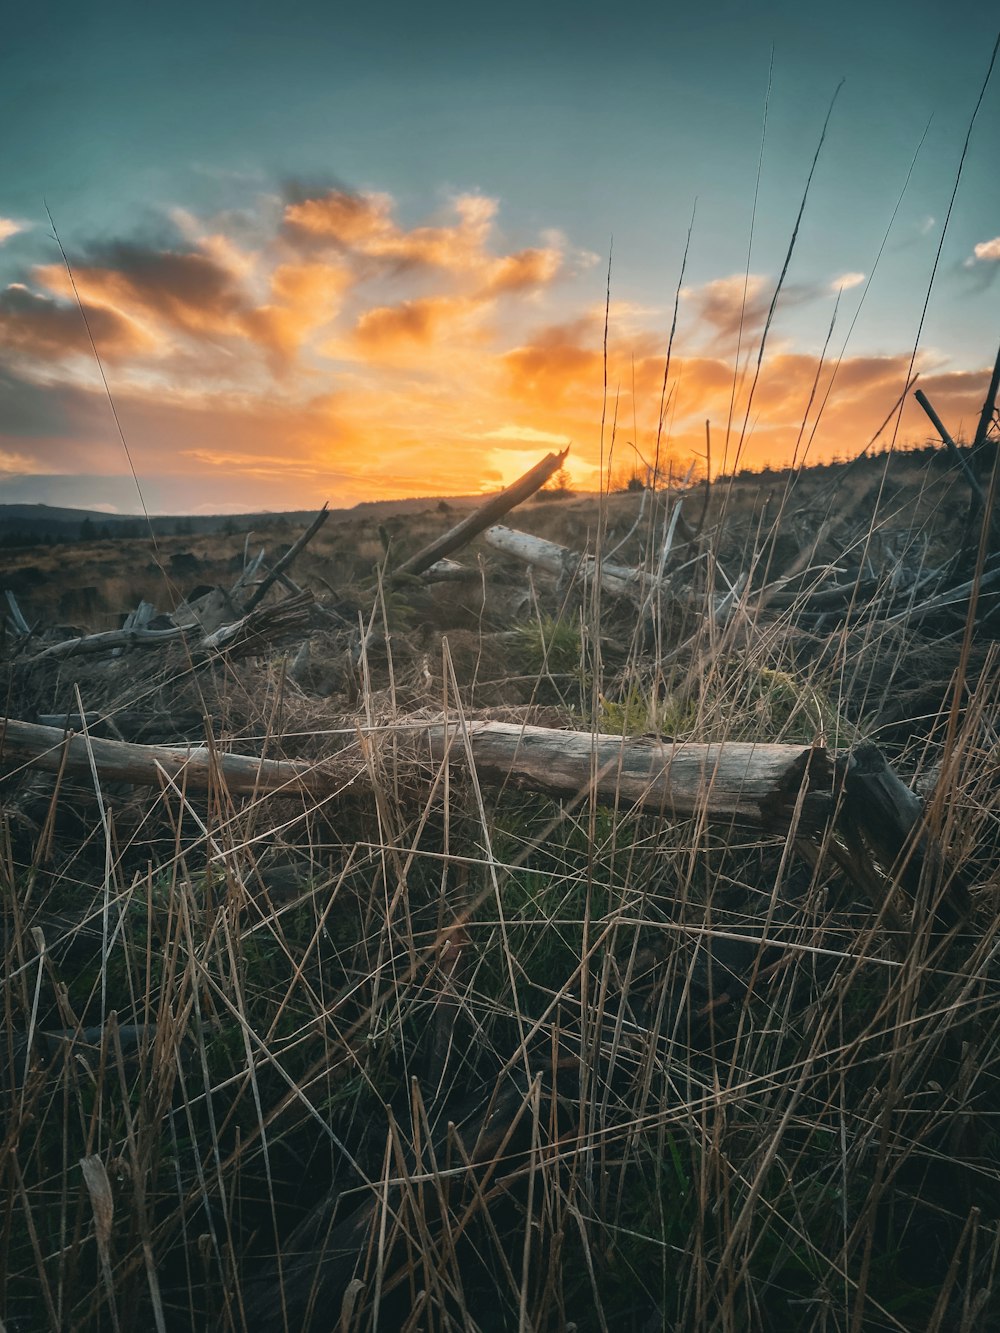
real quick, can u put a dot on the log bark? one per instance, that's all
(889, 817)
(619, 580)
(737, 782)
(196, 767)
(495, 507)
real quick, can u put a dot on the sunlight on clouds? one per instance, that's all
(988, 250)
(526, 434)
(322, 344)
(15, 464)
(9, 228)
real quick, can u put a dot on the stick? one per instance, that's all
(495, 507)
(952, 447)
(291, 554)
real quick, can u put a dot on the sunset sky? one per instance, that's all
(352, 252)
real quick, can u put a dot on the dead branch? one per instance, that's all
(619, 580)
(495, 507)
(291, 554)
(735, 781)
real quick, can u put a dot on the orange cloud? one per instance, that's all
(526, 269)
(363, 225)
(410, 321)
(342, 350)
(558, 361)
(38, 326)
(185, 291)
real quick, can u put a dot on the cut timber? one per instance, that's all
(735, 781)
(619, 580)
(750, 784)
(495, 507)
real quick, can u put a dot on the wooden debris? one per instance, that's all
(889, 817)
(24, 744)
(480, 519)
(737, 782)
(293, 552)
(619, 580)
(14, 616)
(248, 634)
(107, 640)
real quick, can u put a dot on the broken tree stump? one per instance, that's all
(889, 818)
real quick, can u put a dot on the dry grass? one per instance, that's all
(446, 1058)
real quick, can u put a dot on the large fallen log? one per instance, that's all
(495, 507)
(737, 782)
(733, 781)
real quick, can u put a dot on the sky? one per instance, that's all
(308, 252)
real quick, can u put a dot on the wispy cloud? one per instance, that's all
(846, 281)
(9, 228)
(524, 434)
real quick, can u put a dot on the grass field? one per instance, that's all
(439, 1054)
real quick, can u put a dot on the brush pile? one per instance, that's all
(598, 931)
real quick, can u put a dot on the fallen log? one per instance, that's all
(731, 781)
(619, 580)
(737, 782)
(194, 767)
(495, 507)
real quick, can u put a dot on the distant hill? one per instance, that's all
(29, 523)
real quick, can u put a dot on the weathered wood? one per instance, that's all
(619, 580)
(196, 767)
(495, 507)
(743, 782)
(248, 634)
(291, 554)
(890, 819)
(109, 639)
(16, 618)
(257, 628)
(449, 571)
(746, 783)
(952, 447)
(137, 619)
